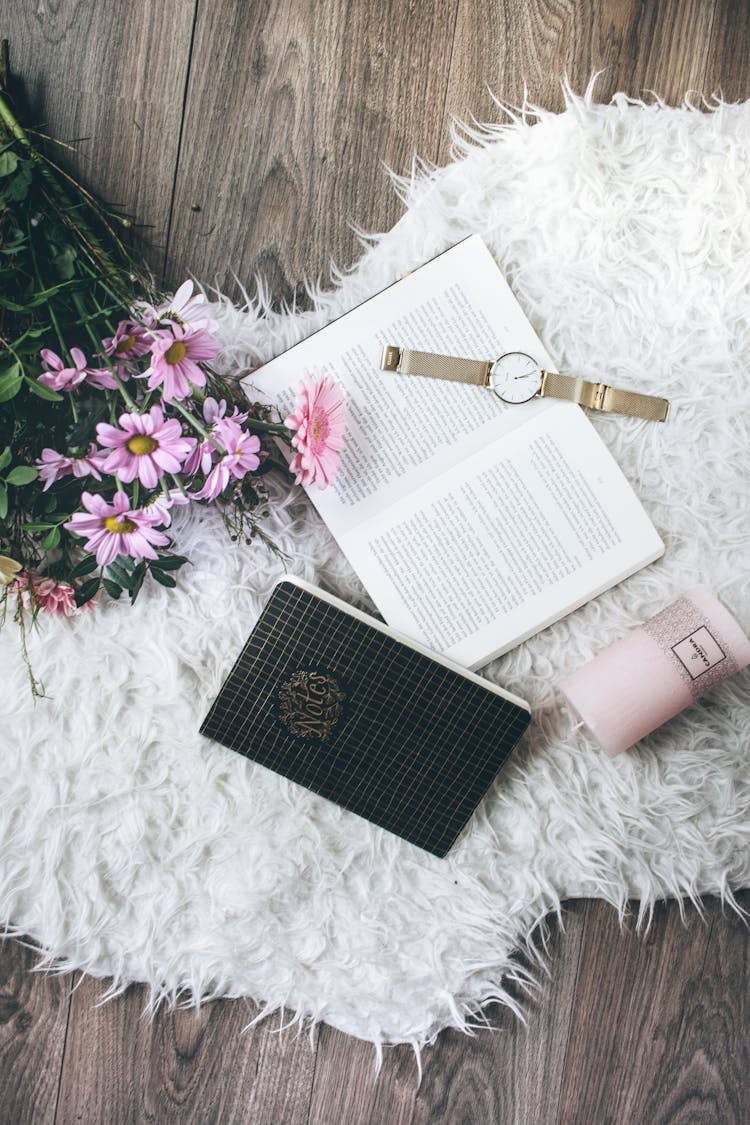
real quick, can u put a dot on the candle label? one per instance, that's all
(701, 656)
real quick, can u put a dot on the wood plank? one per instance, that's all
(33, 1021)
(293, 106)
(728, 70)
(642, 46)
(182, 1066)
(659, 1026)
(512, 1073)
(114, 74)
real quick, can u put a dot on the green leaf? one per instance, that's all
(5, 457)
(18, 188)
(51, 539)
(120, 570)
(112, 588)
(41, 391)
(137, 580)
(87, 591)
(85, 566)
(10, 383)
(3, 501)
(8, 163)
(64, 262)
(162, 578)
(22, 474)
(169, 562)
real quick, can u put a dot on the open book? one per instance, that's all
(472, 523)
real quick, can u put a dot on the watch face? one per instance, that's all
(515, 377)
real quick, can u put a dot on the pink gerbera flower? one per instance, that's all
(146, 447)
(58, 377)
(175, 354)
(240, 457)
(53, 465)
(115, 529)
(318, 422)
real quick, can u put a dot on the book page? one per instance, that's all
(403, 431)
(522, 533)
(472, 524)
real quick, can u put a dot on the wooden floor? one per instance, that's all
(247, 136)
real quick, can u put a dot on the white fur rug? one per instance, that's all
(132, 848)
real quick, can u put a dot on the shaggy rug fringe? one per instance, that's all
(130, 848)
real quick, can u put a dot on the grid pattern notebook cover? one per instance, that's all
(338, 704)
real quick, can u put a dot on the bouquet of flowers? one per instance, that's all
(111, 415)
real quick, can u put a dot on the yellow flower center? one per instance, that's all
(119, 527)
(175, 352)
(125, 345)
(319, 429)
(141, 444)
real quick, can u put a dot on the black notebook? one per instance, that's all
(339, 703)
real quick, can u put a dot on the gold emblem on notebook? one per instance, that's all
(311, 704)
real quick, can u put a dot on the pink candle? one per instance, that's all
(656, 670)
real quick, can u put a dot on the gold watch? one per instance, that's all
(516, 377)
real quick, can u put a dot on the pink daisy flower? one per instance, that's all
(114, 529)
(184, 308)
(58, 377)
(129, 341)
(163, 502)
(146, 447)
(53, 465)
(318, 421)
(205, 452)
(240, 457)
(175, 355)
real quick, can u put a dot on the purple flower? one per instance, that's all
(239, 458)
(146, 447)
(58, 377)
(115, 529)
(183, 309)
(205, 453)
(129, 341)
(53, 465)
(175, 354)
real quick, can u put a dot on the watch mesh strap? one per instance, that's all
(598, 396)
(410, 362)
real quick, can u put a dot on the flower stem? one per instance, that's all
(268, 427)
(199, 429)
(78, 302)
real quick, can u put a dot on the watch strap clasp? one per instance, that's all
(390, 358)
